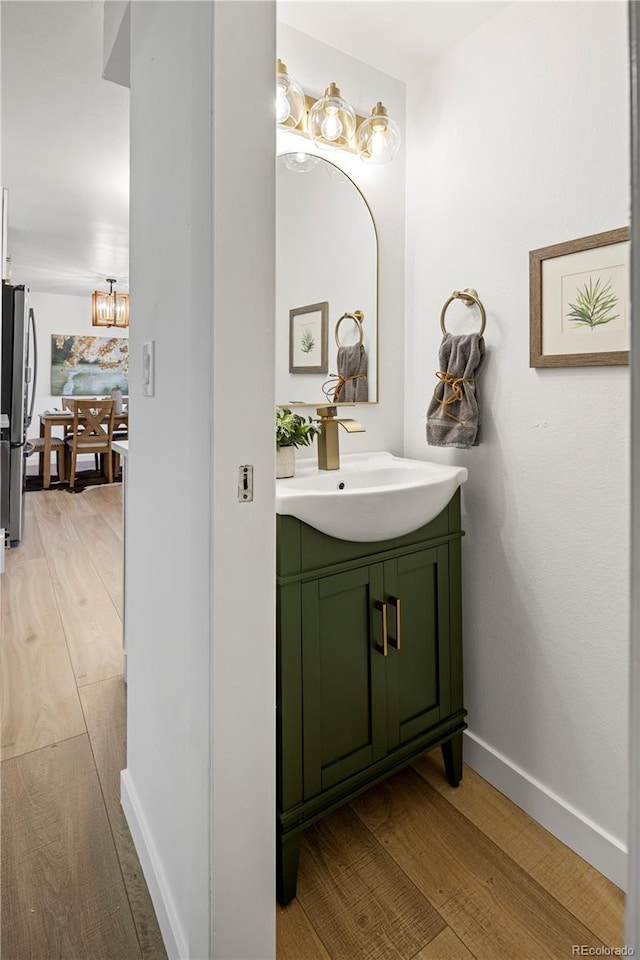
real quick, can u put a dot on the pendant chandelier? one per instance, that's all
(109, 309)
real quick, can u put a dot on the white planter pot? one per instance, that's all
(285, 462)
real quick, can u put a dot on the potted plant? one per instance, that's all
(292, 431)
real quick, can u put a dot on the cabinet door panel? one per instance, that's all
(288, 697)
(418, 673)
(343, 677)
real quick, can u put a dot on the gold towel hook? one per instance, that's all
(357, 316)
(469, 296)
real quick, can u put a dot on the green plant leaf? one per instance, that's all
(307, 343)
(293, 430)
(594, 304)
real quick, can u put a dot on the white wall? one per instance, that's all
(315, 65)
(57, 313)
(632, 906)
(116, 41)
(200, 618)
(243, 534)
(165, 788)
(518, 138)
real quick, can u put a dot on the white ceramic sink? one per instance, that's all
(373, 496)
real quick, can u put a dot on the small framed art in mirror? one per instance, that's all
(308, 338)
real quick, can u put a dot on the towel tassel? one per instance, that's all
(337, 389)
(448, 380)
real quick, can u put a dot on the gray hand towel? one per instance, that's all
(453, 417)
(352, 372)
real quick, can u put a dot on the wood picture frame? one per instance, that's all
(308, 338)
(579, 306)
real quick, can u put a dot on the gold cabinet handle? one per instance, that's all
(382, 607)
(395, 602)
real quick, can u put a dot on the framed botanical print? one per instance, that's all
(308, 344)
(579, 305)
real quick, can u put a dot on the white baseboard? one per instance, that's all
(598, 847)
(172, 933)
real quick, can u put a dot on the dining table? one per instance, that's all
(61, 418)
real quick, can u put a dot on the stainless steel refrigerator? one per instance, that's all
(18, 370)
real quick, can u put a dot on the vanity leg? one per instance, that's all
(287, 867)
(452, 756)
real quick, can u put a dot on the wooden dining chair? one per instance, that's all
(92, 432)
(120, 432)
(36, 445)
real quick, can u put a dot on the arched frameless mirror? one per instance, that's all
(326, 266)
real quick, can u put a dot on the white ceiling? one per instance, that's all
(65, 130)
(399, 37)
(65, 149)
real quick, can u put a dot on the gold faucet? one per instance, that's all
(328, 447)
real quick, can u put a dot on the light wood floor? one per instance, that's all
(411, 870)
(72, 887)
(417, 870)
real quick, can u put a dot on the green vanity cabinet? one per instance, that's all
(369, 666)
(343, 678)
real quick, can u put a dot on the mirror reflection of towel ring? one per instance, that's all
(357, 316)
(469, 297)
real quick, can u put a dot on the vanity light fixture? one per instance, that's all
(378, 137)
(300, 162)
(331, 122)
(109, 309)
(289, 97)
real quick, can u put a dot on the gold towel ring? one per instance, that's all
(469, 297)
(358, 317)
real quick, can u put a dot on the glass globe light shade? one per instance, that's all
(289, 98)
(331, 121)
(300, 162)
(378, 137)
